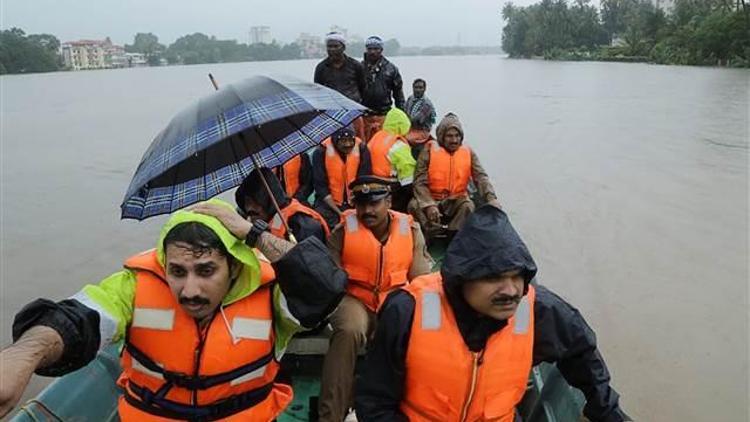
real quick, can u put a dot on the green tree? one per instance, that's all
(20, 53)
(148, 45)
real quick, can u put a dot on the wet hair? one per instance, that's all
(200, 238)
(416, 81)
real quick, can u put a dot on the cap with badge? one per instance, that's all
(370, 188)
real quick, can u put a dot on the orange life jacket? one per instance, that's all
(340, 172)
(379, 145)
(291, 175)
(455, 384)
(277, 226)
(448, 174)
(374, 269)
(172, 370)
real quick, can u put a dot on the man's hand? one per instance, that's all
(433, 214)
(495, 203)
(38, 347)
(234, 222)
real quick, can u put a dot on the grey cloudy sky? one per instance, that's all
(414, 23)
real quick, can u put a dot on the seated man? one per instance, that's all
(336, 163)
(458, 345)
(204, 322)
(254, 202)
(380, 250)
(391, 157)
(441, 182)
(295, 177)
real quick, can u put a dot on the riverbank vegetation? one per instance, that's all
(686, 32)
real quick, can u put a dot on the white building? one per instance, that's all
(260, 35)
(92, 54)
(311, 45)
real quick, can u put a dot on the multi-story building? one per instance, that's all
(260, 35)
(93, 54)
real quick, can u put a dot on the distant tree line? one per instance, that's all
(694, 32)
(20, 53)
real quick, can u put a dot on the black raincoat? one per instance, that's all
(486, 246)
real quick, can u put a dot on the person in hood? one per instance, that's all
(204, 321)
(391, 157)
(459, 344)
(441, 181)
(382, 81)
(254, 203)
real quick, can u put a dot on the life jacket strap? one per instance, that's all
(201, 382)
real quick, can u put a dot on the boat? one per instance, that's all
(90, 393)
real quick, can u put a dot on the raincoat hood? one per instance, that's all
(397, 122)
(249, 279)
(486, 246)
(449, 121)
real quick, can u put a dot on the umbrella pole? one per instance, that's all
(262, 177)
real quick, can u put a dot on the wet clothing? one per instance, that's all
(382, 80)
(421, 112)
(349, 79)
(306, 289)
(486, 246)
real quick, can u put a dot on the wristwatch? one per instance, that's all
(259, 226)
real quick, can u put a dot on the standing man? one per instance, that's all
(336, 163)
(380, 250)
(458, 345)
(295, 177)
(342, 73)
(255, 203)
(441, 182)
(382, 80)
(422, 115)
(204, 322)
(391, 157)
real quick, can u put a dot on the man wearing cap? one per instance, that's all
(382, 80)
(336, 163)
(342, 73)
(458, 345)
(380, 250)
(254, 203)
(445, 168)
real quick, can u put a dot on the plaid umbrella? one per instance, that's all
(210, 146)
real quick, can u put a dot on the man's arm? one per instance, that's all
(318, 75)
(380, 386)
(365, 162)
(359, 73)
(55, 338)
(481, 179)
(561, 335)
(422, 262)
(398, 88)
(320, 176)
(336, 243)
(421, 182)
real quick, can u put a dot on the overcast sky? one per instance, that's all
(413, 22)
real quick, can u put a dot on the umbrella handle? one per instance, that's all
(263, 178)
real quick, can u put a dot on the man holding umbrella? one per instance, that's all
(204, 323)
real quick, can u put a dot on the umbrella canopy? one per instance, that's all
(210, 146)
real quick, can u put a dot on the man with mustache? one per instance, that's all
(445, 168)
(203, 320)
(458, 345)
(380, 250)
